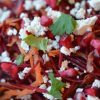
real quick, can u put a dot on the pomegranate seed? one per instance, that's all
(66, 41)
(10, 69)
(87, 39)
(50, 35)
(71, 72)
(96, 43)
(90, 91)
(52, 3)
(46, 21)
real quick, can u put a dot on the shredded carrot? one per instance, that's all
(39, 77)
(12, 22)
(31, 62)
(9, 93)
(30, 53)
(53, 53)
(2, 89)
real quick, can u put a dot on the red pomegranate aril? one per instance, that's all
(79, 96)
(66, 41)
(46, 21)
(96, 43)
(87, 39)
(90, 91)
(50, 35)
(52, 3)
(10, 69)
(71, 72)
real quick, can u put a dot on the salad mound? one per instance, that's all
(49, 49)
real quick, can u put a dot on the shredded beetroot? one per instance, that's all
(72, 57)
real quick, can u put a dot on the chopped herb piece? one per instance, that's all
(57, 85)
(65, 23)
(38, 42)
(19, 59)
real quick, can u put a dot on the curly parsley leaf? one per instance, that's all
(38, 42)
(19, 59)
(65, 23)
(57, 85)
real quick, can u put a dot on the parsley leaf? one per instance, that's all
(57, 85)
(38, 42)
(65, 23)
(19, 59)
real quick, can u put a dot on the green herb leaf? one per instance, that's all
(38, 42)
(57, 85)
(19, 59)
(65, 23)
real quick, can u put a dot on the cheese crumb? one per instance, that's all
(96, 83)
(25, 46)
(38, 4)
(84, 24)
(65, 50)
(95, 4)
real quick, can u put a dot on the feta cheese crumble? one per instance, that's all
(25, 46)
(38, 4)
(5, 57)
(11, 32)
(45, 79)
(4, 15)
(45, 58)
(21, 74)
(53, 13)
(28, 4)
(22, 33)
(96, 83)
(80, 13)
(84, 24)
(95, 4)
(36, 28)
(64, 65)
(65, 50)
(79, 90)
(92, 98)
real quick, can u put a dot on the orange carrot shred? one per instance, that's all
(53, 53)
(30, 53)
(9, 93)
(39, 77)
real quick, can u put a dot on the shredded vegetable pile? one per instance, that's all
(49, 49)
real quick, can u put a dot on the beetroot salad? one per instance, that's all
(49, 49)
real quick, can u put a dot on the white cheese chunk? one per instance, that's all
(80, 13)
(53, 13)
(95, 4)
(38, 4)
(65, 50)
(5, 14)
(96, 83)
(36, 28)
(84, 24)
(92, 98)
(28, 4)
(25, 46)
